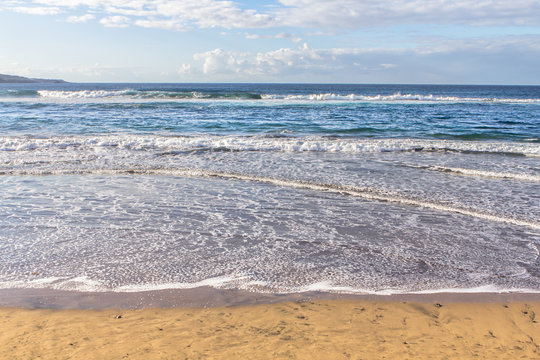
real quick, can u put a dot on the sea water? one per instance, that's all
(270, 188)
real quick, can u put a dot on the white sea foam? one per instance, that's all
(216, 282)
(79, 283)
(326, 286)
(82, 94)
(196, 95)
(487, 174)
(477, 172)
(329, 287)
(85, 284)
(223, 282)
(258, 143)
(371, 194)
(394, 97)
(478, 290)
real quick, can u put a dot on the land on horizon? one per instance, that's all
(15, 79)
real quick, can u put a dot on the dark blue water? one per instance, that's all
(366, 111)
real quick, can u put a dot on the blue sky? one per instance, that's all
(339, 41)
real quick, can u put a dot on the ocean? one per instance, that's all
(270, 188)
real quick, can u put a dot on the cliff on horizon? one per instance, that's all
(6, 79)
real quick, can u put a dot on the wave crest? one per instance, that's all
(395, 97)
(147, 94)
(164, 144)
(133, 94)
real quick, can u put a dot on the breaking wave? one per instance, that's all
(397, 97)
(148, 94)
(261, 143)
(127, 94)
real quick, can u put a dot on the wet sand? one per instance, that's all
(438, 326)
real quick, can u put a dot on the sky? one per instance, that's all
(284, 41)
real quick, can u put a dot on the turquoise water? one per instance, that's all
(448, 112)
(268, 187)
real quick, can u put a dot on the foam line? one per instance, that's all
(365, 193)
(201, 95)
(373, 194)
(487, 174)
(85, 284)
(261, 143)
(398, 97)
(472, 172)
(325, 286)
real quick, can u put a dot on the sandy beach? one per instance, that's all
(318, 329)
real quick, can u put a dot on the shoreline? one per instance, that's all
(209, 297)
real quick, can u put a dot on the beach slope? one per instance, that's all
(328, 329)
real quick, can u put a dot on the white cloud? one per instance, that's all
(313, 14)
(212, 13)
(161, 24)
(282, 35)
(508, 44)
(80, 19)
(11, 3)
(277, 62)
(37, 10)
(115, 21)
(185, 69)
(457, 61)
(181, 13)
(360, 13)
(218, 61)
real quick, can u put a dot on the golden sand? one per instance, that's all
(300, 330)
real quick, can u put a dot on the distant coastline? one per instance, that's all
(14, 79)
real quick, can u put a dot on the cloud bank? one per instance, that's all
(345, 14)
(459, 60)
